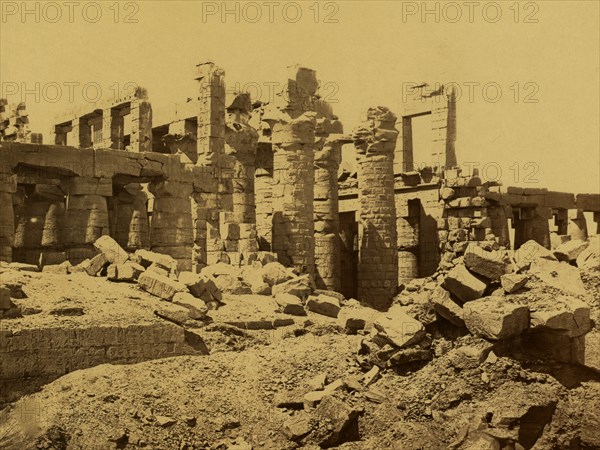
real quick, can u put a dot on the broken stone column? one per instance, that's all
(577, 225)
(328, 156)
(241, 141)
(86, 215)
(375, 141)
(129, 218)
(443, 124)
(171, 229)
(408, 226)
(141, 123)
(8, 186)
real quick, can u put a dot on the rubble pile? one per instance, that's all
(14, 123)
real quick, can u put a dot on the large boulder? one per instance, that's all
(495, 318)
(489, 264)
(561, 313)
(301, 286)
(570, 250)
(323, 304)
(463, 284)
(398, 328)
(558, 274)
(115, 254)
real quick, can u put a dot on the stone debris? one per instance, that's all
(301, 287)
(513, 282)
(290, 304)
(324, 304)
(94, 265)
(446, 307)
(160, 285)
(570, 250)
(489, 264)
(197, 309)
(128, 271)
(495, 318)
(398, 328)
(114, 253)
(563, 313)
(463, 284)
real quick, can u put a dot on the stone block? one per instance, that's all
(5, 302)
(563, 313)
(290, 304)
(495, 318)
(559, 274)
(93, 266)
(463, 284)
(112, 250)
(589, 259)
(147, 257)
(398, 328)
(512, 282)
(160, 285)
(275, 273)
(354, 317)
(197, 309)
(301, 286)
(570, 250)
(491, 265)
(128, 272)
(195, 283)
(336, 423)
(324, 304)
(446, 307)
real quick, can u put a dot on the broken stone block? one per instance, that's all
(295, 428)
(128, 272)
(290, 304)
(585, 350)
(93, 266)
(529, 252)
(58, 269)
(354, 317)
(463, 284)
(318, 382)
(231, 285)
(371, 376)
(301, 286)
(558, 274)
(275, 273)
(174, 313)
(5, 302)
(495, 318)
(409, 355)
(24, 267)
(512, 282)
(589, 259)
(111, 249)
(563, 313)
(558, 239)
(470, 356)
(337, 423)
(492, 265)
(398, 328)
(147, 258)
(569, 251)
(446, 307)
(195, 282)
(211, 289)
(340, 297)
(159, 285)
(323, 304)
(197, 309)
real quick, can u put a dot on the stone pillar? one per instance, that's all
(577, 225)
(241, 142)
(264, 195)
(561, 221)
(113, 126)
(404, 159)
(408, 228)
(171, 228)
(141, 123)
(129, 217)
(443, 123)
(293, 192)
(86, 216)
(375, 141)
(81, 132)
(60, 134)
(328, 156)
(8, 186)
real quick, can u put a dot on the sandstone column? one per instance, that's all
(129, 226)
(113, 124)
(264, 194)
(328, 156)
(81, 132)
(375, 141)
(171, 229)
(141, 123)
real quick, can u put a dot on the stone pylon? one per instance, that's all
(375, 141)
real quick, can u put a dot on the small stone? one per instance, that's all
(512, 282)
(165, 421)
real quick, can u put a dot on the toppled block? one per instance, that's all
(275, 273)
(5, 302)
(354, 317)
(58, 269)
(295, 428)
(301, 286)
(495, 318)
(337, 423)
(115, 254)
(463, 284)
(446, 307)
(323, 304)
(408, 356)
(290, 304)
(128, 272)
(589, 259)
(492, 265)
(337, 295)
(398, 328)
(24, 267)
(529, 252)
(146, 258)
(232, 285)
(195, 282)
(512, 282)
(558, 274)
(93, 266)
(586, 350)
(197, 309)
(570, 250)
(563, 313)
(159, 285)
(174, 313)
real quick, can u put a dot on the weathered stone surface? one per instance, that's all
(589, 259)
(275, 273)
(232, 285)
(5, 302)
(295, 428)
(529, 252)
(323, 304)
(58, 269)
(340, 297)
(111, 249)
(129, 272)
(463, 284)
(159, 285)
(355, 317)
(301, 286)
(24, 267)
(195, 282)
(492, 265)
(318, 382)
(409, 355)
(174, 313)
(290, 304)
(94, 265)
(197, 309)
(512, 282)
(569, 251)
(147, 257)
(338, 423)
(586, 350)
(398, 328)
(563, 313)
(495, 318)
(165, 421)
(446, 307)
(558, 274)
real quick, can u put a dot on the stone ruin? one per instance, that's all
(228, 179)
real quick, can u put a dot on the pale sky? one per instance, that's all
(545, 51)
